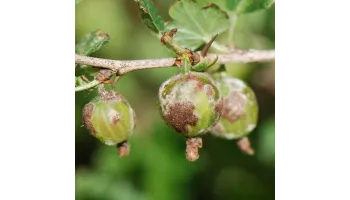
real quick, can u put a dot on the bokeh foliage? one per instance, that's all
(157, 168)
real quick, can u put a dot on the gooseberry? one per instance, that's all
(111, 119)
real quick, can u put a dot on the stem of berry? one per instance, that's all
(186, 66)
(244, 145)
(101, 89)
(123, 149)
(192, 145)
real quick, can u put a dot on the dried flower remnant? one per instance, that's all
(123, 149)
(245, 146)
(192, 146)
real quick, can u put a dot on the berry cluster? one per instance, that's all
(193, 102)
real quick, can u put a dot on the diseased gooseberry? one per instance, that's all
(190, 103)
(240, 110)
(110, 118)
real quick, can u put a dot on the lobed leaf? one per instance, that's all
(91, 42)
(226, 5)
(239, 6)
(88, 44)
(196, 25)
(249, 6)
(150, 16)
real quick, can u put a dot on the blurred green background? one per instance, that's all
(157, 168)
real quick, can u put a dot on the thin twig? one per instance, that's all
(121, 67)
(87, 86)
(124, 66)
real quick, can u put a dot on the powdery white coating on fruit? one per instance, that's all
(203, 130)
(132, 120)
(234, 106)
(230, 136)
(186, 92)
(236, 84)
(109, 142)
(250, 127)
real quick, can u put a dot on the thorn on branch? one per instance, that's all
(205, 50)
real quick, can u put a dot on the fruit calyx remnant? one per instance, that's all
(123, 149)
(244, 145)
(192, 145)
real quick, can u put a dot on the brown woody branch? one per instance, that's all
(122, 67)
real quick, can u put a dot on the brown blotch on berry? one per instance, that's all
(123, 149)
(180, 115)
(110, 95)
(208, 90)
(244, 145)
(199, 85)
(87, 114)
(191, 77)
(219, 107)
(115, 119)
(192, 146)
(233, 107)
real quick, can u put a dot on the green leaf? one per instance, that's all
(249, 6)
(91, 42)
(77, 1)
(226, 5)
(150, 16)
(239, 6)
(196, 25)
